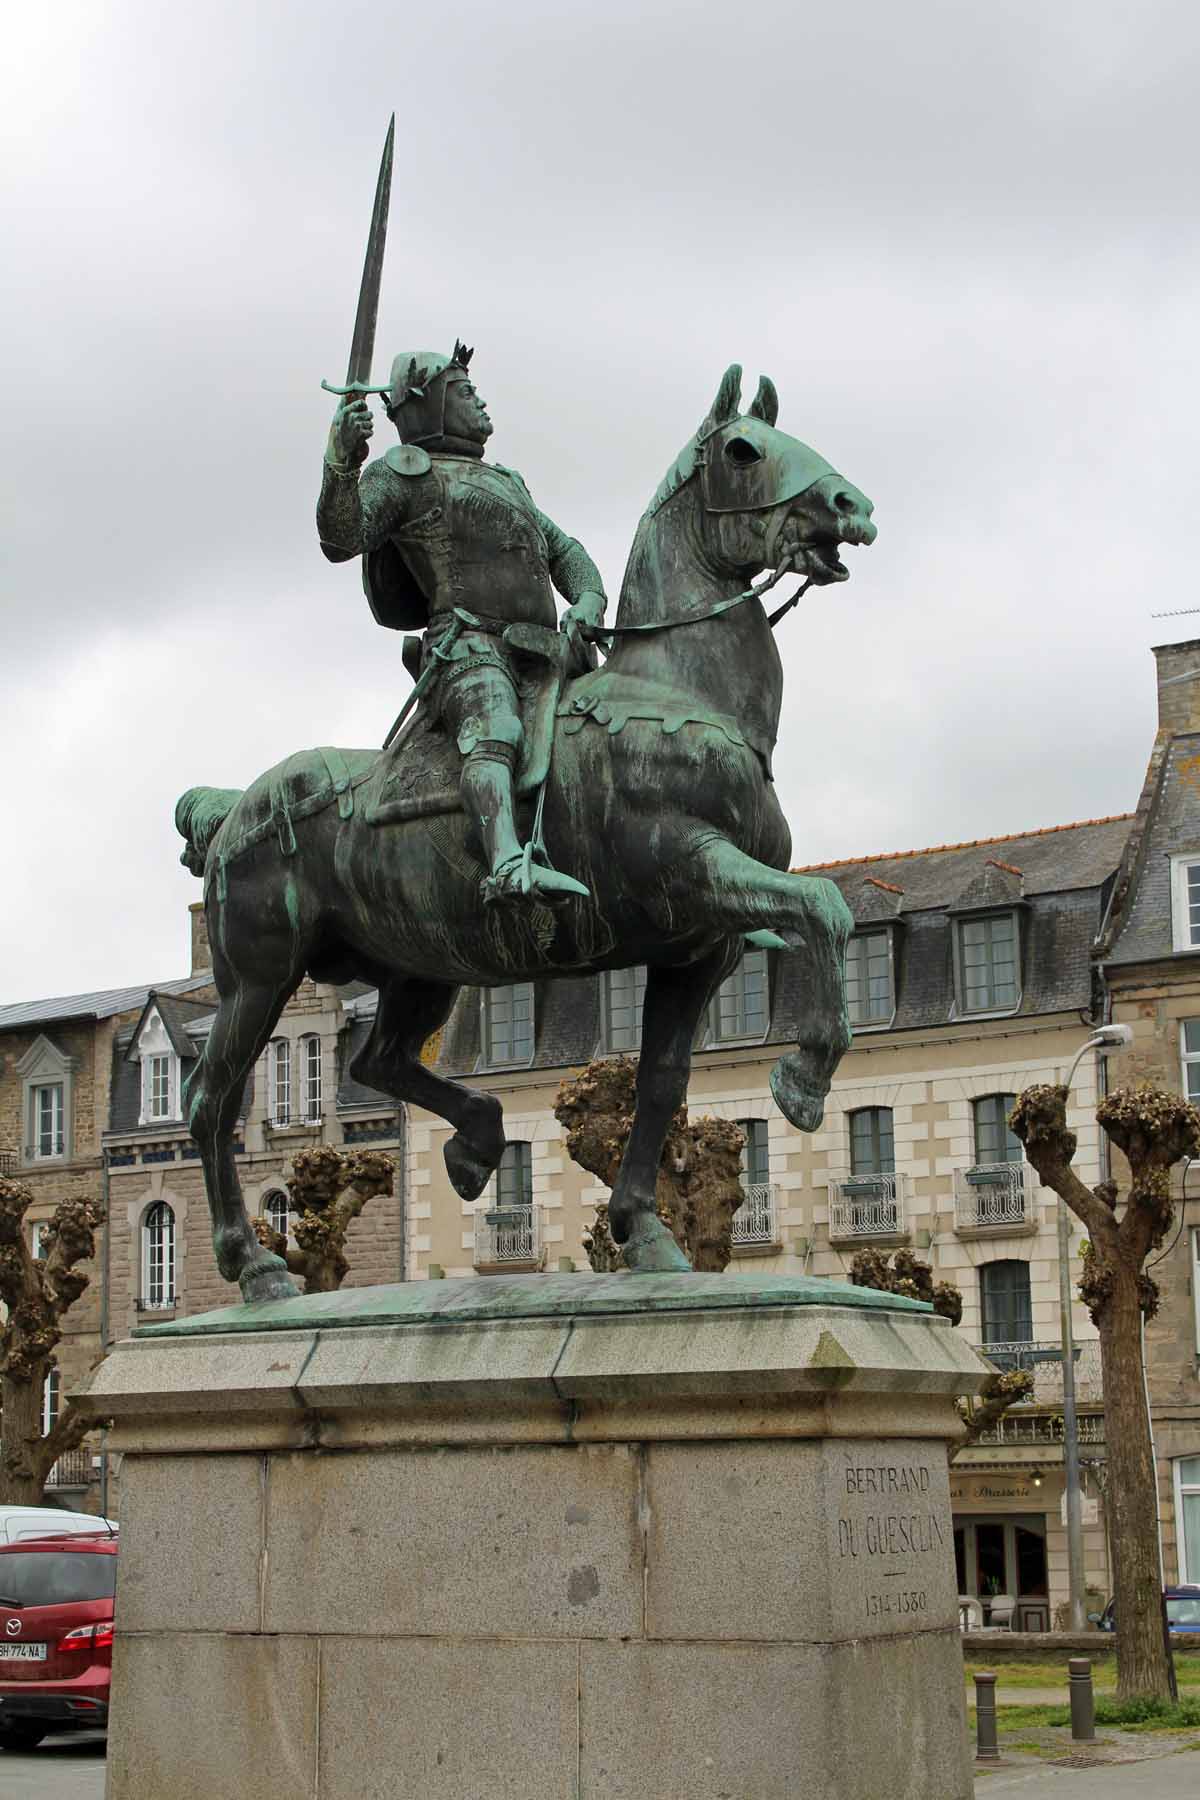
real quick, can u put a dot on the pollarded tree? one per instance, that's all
(37, 1293)
(1154, 1130)
(327, 1190)
(906, 1274)
(699, 1177)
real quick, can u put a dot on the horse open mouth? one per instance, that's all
(823, 564)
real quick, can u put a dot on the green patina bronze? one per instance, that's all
(534, 1297)
(537, 815)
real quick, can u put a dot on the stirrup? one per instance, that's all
(520, 878)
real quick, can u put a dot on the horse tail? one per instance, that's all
(199, 815)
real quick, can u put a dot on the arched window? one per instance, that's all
(994, 1142)
(872, 1149)
(1007, 1305)
(158, 1257)
(279, 1077)
(275, 1211)
(310, 1079)
(51, 1399)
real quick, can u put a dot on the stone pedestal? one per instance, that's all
(546, 1538)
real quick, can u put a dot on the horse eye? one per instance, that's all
(741, 451)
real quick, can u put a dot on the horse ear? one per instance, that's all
(728, 402)
(765, 404)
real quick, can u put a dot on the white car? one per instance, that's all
(17, 1522)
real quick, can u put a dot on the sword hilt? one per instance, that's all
(362, 388)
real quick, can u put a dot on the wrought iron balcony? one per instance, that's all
(996, 1198)
(756, 1219)
(8, 1162)
(156, 1303)
(72, 1470)
(1019, 1427)
(508, 1237)
(864, 1207)
(1044, 1363)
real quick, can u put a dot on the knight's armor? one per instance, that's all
(443, 533)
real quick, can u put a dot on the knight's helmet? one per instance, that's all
(418, 384)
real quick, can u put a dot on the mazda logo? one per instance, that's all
(13, 1628)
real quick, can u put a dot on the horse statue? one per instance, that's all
(658, 799)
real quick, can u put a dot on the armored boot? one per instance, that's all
(487, 792)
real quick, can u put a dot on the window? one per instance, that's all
(280, 1079)
(160, 1071)
(1007, 1305)
(872, 1151)
(1187, 1516)
(994, 1142)
(158, 1257)
(869, 978)
(37, 1240)
(310, 1078)
(988, 979)
(624, 995)
(514, 1177)
(1190, 1032)
(508, 1025)
(1196, 1290)
(756, 1157)
(1185, 897)
(156, 1073)
(275, 1211)
(740, 1007)
(51, 1400)
(48, 1133)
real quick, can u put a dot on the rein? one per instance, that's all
(719, 607)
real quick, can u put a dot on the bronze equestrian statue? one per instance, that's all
(642, 787)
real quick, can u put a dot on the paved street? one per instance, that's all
(1164, 1778)
(63, 1768)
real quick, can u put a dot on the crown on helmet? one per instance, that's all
(418, 383)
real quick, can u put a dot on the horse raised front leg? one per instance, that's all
(675, 1000)
(724, 886)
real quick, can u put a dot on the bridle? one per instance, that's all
(754, 592)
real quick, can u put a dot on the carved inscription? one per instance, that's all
(896, 1524)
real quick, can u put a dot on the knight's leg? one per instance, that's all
(408, 1013)
(675, 1001)
(245, 1020)
(723, 886)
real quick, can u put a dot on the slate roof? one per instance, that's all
(1139, 928)
(104, 1004)
(177, 1014)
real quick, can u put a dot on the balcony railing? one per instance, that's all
(8, 1162)
(1044, 1363)
(755, 1221)
(868, 1206)
(72, 1470)
(1000, 1197)
(156, 1303)
(1020, 1428)
(509, 1236)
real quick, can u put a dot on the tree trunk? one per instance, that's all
(23, 1468)
(1132, 1500)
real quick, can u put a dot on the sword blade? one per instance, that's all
(362, 345)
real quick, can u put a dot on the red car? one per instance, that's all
(56, 1633)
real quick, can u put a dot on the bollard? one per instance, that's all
(987, 1748)
(1083, 1701)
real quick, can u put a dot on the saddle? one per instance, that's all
(418, 776)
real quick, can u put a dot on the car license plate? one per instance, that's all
(22, 1652)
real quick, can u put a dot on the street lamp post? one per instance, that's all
(1109, 1037)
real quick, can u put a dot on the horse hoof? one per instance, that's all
(801, 1102)
(267, 1279)
(468, 1171)
(650, 1249)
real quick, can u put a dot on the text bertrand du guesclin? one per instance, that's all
(890, 1533)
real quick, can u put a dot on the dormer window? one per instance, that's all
(624, 993)
(870, 987)
(989, 964)
(740, 1008)
(160, 1072)
(1185, 902)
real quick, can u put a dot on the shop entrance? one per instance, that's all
(1005, 1556)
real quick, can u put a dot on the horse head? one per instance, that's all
(759, 500)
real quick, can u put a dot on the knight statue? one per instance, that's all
(455, 545)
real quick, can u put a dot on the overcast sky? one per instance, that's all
(962, 239)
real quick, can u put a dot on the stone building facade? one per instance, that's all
(1149, 956)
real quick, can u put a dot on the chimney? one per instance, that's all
(201, 954)
(1178, 687)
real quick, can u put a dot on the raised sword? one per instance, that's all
(362, 345)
